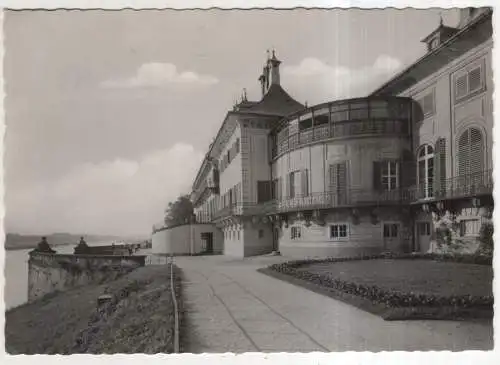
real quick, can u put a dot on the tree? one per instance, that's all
(179, 212)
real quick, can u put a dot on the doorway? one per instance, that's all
(276, 238)
(208, 242)
(423, 230)
(391, 236)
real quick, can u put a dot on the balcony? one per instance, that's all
(341, 130)
(464, 186)
(345, 199)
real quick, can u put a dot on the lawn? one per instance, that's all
(399, 287)
(417, 276)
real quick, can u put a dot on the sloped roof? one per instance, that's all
(275, 102)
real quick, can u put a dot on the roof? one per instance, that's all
(438, 57)
(275, 102)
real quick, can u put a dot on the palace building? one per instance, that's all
(357, 176)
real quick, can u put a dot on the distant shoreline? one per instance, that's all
(26, 247)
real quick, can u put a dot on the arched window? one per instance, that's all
(425, 171)
(470, 152)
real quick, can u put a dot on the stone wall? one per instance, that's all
(53, 272)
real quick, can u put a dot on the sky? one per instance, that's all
(109, 113)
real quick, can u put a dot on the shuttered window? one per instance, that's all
(469, 83)
(305, 183)
(440, 167)
(474, 79)
(470, 152)
(264, 192)
(237, 145)
(338, 177)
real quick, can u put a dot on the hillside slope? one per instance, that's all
(140, 319)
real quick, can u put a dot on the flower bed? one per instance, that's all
(383, 299)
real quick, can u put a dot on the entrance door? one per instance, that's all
(391, 236)
(423, 230)
(276, 237)
(208, 242)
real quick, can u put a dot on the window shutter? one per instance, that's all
(287, 185)
(461, 86)
(377, 175)
(474, 79)
(463, 154)
(333, 177)
(304, 183)
(476, 151)
(437, 171)
(408, 169)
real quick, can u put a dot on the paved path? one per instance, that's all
(230, 307)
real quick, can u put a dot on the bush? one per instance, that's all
(486, 238)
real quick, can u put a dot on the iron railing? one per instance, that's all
(463, 186)
(346, 198)
(341, 130)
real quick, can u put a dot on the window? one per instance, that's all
(391, 230)
(261, 233)
(295, 233)
(389, 175)
(338, 177)
(427, 105)
(440, 167)
(470, 227)
(237, 145)
(424, 229)
(425, 171)
(470, 152)
(264, 192)
(469, 83)
(293, 183)
(238, 235)
(338, 231)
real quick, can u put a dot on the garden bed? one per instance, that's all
(400, 286)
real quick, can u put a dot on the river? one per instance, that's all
(16, 272)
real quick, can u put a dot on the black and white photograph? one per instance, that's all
(210, 181)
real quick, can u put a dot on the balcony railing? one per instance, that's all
(346, 198)
(464, 186)
(341, 130)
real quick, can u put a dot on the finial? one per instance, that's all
(440, 18)
(267, 51)
(274, 53)
(305, 104)
(244, 94)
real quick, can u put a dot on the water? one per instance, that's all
(16, 272)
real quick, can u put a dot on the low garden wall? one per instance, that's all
(49, 272)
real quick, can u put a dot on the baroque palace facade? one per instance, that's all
(362, 175)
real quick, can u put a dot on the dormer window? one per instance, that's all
(433, 43)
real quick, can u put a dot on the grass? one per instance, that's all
(403, 278)
(418, 276)
(140, 318)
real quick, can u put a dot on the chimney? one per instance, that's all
(274, 66)
(262, 80)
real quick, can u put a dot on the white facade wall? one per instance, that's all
(231, 176)
(185, 239)
(359, 154)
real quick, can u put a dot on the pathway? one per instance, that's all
(230, 307)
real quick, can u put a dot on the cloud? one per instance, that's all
(155, 74)
(115, 197)
(315, 81)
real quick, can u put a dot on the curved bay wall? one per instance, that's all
(53, 272)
